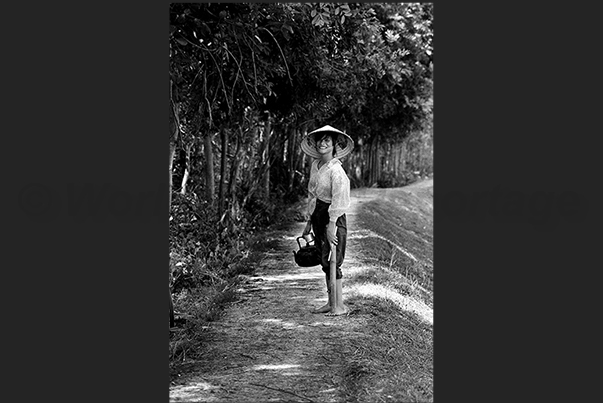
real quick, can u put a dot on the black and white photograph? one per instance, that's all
(299, 203)
(301, 177)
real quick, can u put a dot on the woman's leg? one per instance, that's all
(339, 307)
(326, 307)
(324, 254)
(320, 219)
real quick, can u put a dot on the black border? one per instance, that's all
(88, 105)
(513, 302)
(513, 305)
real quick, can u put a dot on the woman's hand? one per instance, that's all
(332, 233)
(308, 228)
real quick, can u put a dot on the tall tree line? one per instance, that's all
(247, 80)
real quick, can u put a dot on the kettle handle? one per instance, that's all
(301, 237)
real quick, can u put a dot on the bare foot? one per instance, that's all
(338, 310)
(322, 309)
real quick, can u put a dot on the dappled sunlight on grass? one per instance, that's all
(393, 279)
(328, 322)
(294, 238)
(275, 367)
(370, 234)
(286, 325)
(270, 262)
(320, 301)
(404, 302)
(355, 270)
(281, 369)
(260, 288)
(296, 275)
(191, 391)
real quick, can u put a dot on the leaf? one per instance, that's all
(342, 19)
(181, 41)
(313, 13)
(205, 29)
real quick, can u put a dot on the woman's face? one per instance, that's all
(324, 145)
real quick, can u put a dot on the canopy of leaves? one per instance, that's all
(365, 67)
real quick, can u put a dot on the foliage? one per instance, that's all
(367, 66)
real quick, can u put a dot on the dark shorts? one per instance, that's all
(320, 222)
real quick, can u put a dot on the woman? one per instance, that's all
(329, 199)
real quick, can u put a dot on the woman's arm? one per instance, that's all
(311, 201)
(340, 194)
(340, 201)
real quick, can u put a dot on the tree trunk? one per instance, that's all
(171, 163)
(254, 174)
(187, 168)
(171, 307)
(300, 156)
(403, 158)
(395, 162)
(267, 130)
(360, 162)
(367, 163)
(209, 168)
(174, 132)
(378, 161)
(253, 146)
(399, 172)
(224, 157)
(234, 168)
(171, 160)
(385, 159)
(292, 156)
(373, 163)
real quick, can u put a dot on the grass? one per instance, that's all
(203, 304)
(199, 307)
(393, 360)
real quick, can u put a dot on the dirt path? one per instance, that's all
(268, 346)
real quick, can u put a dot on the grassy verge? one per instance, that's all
(393, 360)
(200, 306)
(205, 284)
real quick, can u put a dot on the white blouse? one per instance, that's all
(331, 185)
